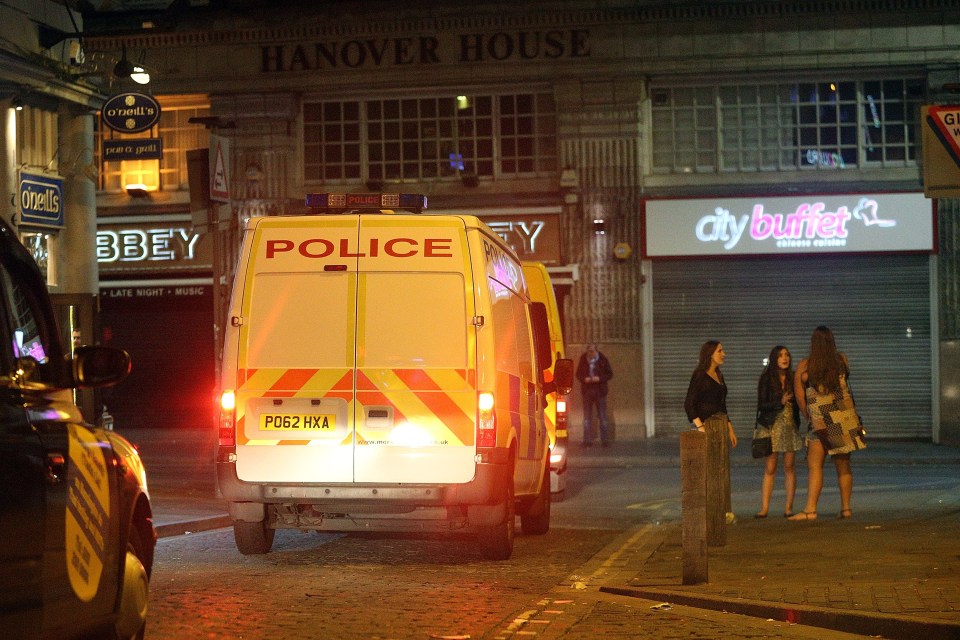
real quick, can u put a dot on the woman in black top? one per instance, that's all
(706, 407)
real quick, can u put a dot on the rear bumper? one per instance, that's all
(486, 487)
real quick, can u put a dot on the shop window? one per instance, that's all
(829, 125)
(42, 247)
(178, 135)
(444, 138)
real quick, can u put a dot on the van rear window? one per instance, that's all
(301, 320)
(412, 320)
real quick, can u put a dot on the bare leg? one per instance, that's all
(815, 457)
(789, 479)
(766, 486)
(845, 481)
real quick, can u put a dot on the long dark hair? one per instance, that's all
(825, 365)
(706, 353)
(771, 373)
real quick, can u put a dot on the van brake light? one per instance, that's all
(227, 432)
(486, 420)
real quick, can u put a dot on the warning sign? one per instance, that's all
(941, 151)
(219, 168)
(946, 123)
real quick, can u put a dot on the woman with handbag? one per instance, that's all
(778, 422)
(820, 386)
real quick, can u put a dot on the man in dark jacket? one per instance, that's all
(593, 372)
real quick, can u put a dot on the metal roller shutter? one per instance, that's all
(877, 306)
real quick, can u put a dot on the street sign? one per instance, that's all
(945, 121)
(941, 151)
(219, 168)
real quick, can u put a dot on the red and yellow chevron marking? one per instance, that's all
(440, 403)
(437, 402)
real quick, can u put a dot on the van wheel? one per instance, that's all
(496, 542)
(536, 520)
(135, 590)
(253, 538)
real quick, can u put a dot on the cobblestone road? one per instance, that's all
(358, 586)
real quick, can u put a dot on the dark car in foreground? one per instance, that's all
(76, 530)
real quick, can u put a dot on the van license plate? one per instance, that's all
(313, 422)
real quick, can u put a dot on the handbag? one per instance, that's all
(762, 444)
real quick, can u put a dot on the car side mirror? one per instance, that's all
(563, 375)
(99, 366)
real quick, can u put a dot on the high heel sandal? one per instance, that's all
(844, 514)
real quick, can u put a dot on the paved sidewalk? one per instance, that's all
(870, 575)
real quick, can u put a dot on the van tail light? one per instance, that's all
(486, 421)
(558, 456)
(227, 436)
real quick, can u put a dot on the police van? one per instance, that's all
(383, 371)
(557, 408)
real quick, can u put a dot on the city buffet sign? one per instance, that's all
(812, 224)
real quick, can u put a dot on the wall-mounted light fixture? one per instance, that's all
(599, 226)
(124, 67)
(137, 190)
(17, 103)
(139, 73)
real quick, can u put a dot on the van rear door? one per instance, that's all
(297, 356)
(415, 396)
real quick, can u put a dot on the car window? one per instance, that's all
(30, 343)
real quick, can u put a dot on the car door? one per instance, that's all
(22, 513)
(23, 463)
(61, 537)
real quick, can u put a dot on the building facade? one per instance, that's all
(569, 126)
(47, 170)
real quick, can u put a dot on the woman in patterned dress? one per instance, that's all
(820, 388)
(778, 412)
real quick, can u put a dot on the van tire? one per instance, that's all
(253, 538)
(535, 521)
(496, 541)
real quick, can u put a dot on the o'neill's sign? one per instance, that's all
(130, 112)
(40, 200)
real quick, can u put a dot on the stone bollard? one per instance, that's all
(716, 487)
(693, 506)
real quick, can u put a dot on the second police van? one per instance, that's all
(557, 410)
(384, 371)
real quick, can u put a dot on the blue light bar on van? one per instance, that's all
(367, 201)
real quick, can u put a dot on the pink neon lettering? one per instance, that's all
(809, 220)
